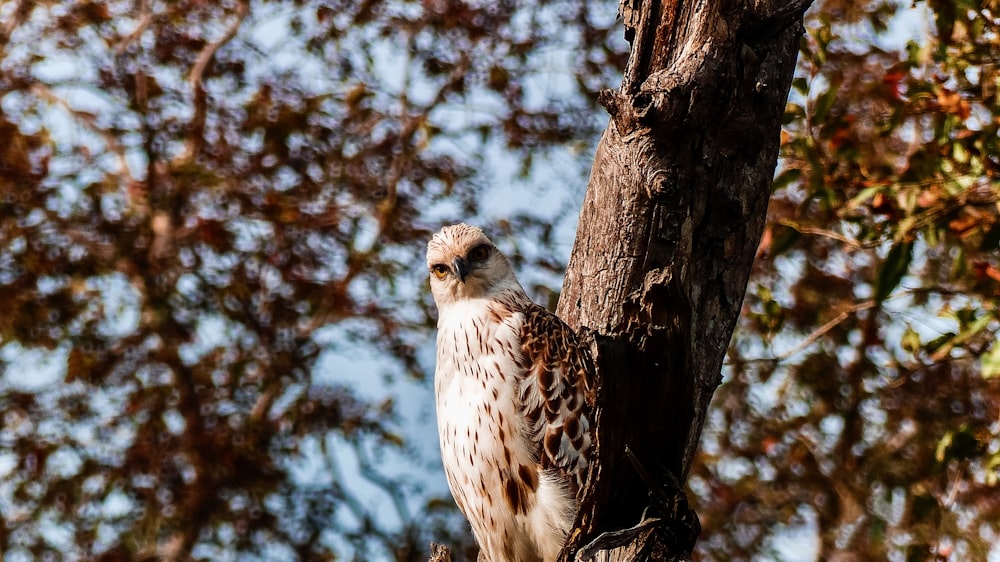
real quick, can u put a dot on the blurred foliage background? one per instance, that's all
(213, 225)
(215, 338)
(861, 412)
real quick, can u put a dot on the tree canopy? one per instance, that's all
(862, 396)
(204, 200)
(204, 204)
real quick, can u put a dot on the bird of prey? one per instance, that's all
(514, 392)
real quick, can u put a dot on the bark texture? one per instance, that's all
(667, 235)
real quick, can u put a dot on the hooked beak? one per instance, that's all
(461, 268)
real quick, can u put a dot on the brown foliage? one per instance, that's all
(861, 399)
(200, 200)
(192, 192)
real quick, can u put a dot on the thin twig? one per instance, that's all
(813, 336)
(144, 22)
(826, 233)
(196, 80)
(208, 52)
(825, 328)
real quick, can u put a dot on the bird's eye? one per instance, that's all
(479, 253)
(439, 270)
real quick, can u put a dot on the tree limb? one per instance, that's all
(669, 228)
(196, 137)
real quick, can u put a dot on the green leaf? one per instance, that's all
(862, 197)
(959, 265)
(957, 445)
(793, 112)
(783, 238)
(910, 340)
(965, 317)
(764, 293)
(785, 178)
(895, 267)
(876, 530)
(940, 345)
(914, 53)
(825, 102)
(933, 235)
(993, 470)
(801, 85)
(990, 362)
(903, 228)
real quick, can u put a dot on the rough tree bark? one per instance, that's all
(671, 221)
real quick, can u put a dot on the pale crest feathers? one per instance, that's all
(489, 277)
(514, 396)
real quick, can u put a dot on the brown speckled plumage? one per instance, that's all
(514, 398)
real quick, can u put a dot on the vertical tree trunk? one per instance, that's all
(667, 235)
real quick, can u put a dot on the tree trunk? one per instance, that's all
(667, 236)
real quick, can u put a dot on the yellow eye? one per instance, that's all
(479, 253)
(439, 270)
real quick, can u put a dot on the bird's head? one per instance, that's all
(464, 264)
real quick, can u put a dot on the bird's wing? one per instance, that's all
(557, 394)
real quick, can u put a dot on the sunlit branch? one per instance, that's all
(827, 234)
(195, 79)
(813, 336)
(208, 52)
(144, 23)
